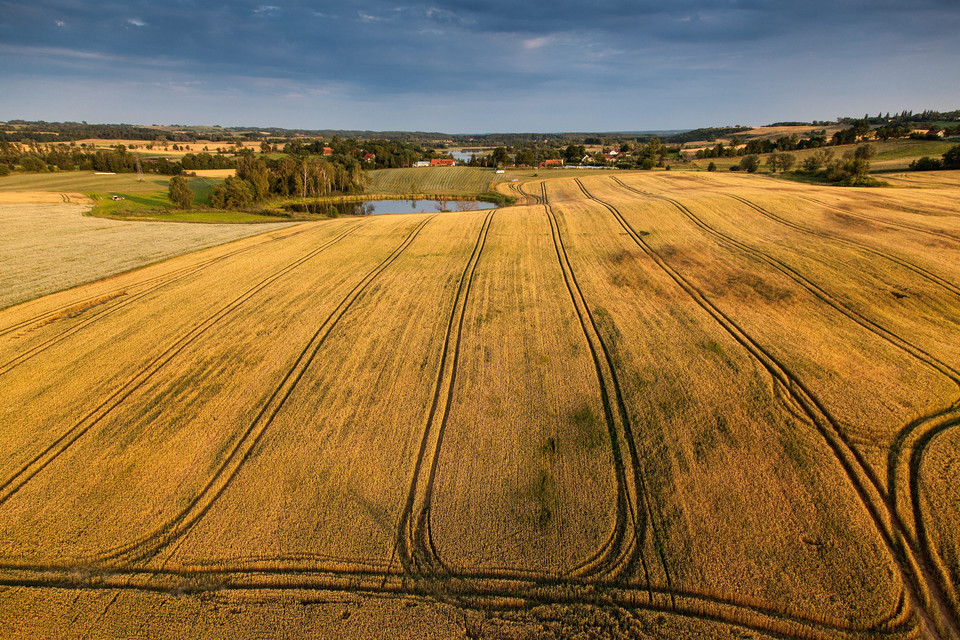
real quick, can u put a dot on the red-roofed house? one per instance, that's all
(327, 151)
(369, 157)
(442, 162)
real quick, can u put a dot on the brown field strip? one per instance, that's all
(703, 404)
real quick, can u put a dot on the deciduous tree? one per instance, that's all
(179, 193)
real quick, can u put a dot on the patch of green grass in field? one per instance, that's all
(154, 205)
(899, 149)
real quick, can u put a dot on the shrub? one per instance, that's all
(951, 159)
(750, 163)
(926, 163)
(818, 159)
(234, 193)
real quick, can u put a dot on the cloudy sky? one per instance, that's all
(476, 66)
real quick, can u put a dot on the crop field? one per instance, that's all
(635, 405)
(438, 180)
(46, 247)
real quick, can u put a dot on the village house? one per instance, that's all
(442, 162)
(553, 163)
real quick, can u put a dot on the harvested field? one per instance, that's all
(50, 247)
(644, 404)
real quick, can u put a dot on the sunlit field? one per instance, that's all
(657, 404)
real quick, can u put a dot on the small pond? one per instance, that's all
(378, 207)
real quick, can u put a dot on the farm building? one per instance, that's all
(421, 163)
(553, 163)
(442, 162)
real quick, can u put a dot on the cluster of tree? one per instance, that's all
(718, 151)
(781, 161)
(204, 160)
(708, 133)
(35, 157)
(907, 116)
(949, 160)
(387, 154)
(814, 140)
(40, 131)
(853, 168)
(892, 131)
(857, 132)
(257, 179)
(652, 154)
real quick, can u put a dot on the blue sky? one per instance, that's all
(463, 67)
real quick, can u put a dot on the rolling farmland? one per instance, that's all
(635, 405)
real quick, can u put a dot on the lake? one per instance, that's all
(380, 207)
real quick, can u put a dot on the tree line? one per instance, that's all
(63, 157)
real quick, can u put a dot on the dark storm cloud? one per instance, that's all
(374, 49)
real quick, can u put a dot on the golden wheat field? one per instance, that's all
(635, 405)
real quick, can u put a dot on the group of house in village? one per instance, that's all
(436, 162)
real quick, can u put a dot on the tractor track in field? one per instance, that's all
(148, 546)
(623, 550)
(947, 574)
(122, 300)
(917, 576)
(916, 352)
(493, 593)
(818, 292)
(913, 437)
(888, 223)
(43, 459)
(78, 305)
(414, 543)
(419, 554)
(923, 273)
(490, 595)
